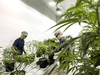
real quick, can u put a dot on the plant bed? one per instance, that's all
(20, 72)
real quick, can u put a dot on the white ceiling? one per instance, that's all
(63, 5)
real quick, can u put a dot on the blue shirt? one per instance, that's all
(19, 43)
(62, 40)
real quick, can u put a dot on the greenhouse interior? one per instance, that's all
(50, 37)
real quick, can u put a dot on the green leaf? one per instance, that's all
(61, 26)
(78, 13)
(97, 63)
(68, 13)
(71, 8)
(58, 1)
(68, 27)
(69, 42)
(67, 46)
(64, 21)
(62, 15)
(78, 2)
(87, 22)
(77, 69)
(79, 22)
(69, 70)
(83, 42)
(98, 55)
(86, 48)
(86, 40)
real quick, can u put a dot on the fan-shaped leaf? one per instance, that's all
(58, 1)
(68, 27)
(71, 8)
(83, 41)
(64, 21)
(98, 55)
(67, 46)
(78, 2)
(69, 70)
(61, 26)
(97, 63)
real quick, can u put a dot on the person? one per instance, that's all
(71, 46)
(59, 35)
(69, 36)
(19, 43)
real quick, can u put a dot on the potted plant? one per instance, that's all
(87, 42)
(21, 59)
(51, 45)
(8, 60)
(31, 47)
(42, 49)
(39, 53)
(26, 59)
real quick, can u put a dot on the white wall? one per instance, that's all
(15, 17)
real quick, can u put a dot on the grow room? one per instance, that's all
(31, 43)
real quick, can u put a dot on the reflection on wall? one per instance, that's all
(15, 17)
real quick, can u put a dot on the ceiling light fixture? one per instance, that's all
(58, 11)
(52, 3)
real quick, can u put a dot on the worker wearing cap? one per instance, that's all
(59, 35)
(19, 43)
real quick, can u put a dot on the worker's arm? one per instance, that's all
(57, 53)
(12, 47)
(24, 50)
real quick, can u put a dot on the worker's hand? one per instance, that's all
(25, 52)
(57, 53)
(56, 41)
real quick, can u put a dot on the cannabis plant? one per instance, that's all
(42, 49)
(10, 56)
(87, 42)
(51, 44)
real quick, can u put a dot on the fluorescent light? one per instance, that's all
(52, 3)
(95, 0)
(58, 11)
(63, 17)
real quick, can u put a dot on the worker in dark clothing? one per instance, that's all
(62, 39)
(71, 46)
(19, 43)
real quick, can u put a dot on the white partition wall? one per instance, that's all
(16, 17)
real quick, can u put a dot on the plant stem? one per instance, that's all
(91, 4)
(24, 67)
(97, 13)
(17, 67)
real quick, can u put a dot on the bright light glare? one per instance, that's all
(59, 12)
(63, 17)
(52, 3)
(95, 0)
